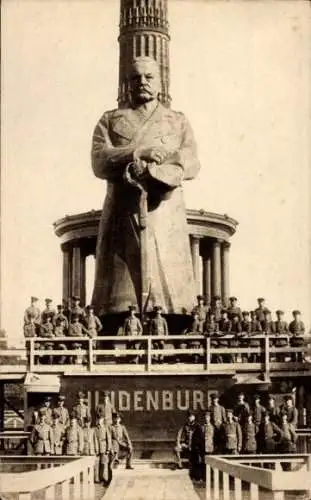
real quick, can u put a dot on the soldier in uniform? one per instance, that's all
(92, 322)
(236, 330)
(289, 409)
(81, 409)
(76, 309)
(259, 412)
(268, 324)
(267, 436)
(46, 406)
(121, 443)
(32, 312)
(249, 431)
(232, 435)
(202, 444)
(76, 329)
(104, 447)
(241, 409)
(62, 411)
(281, 329)
(61, 318)
(297, 329)
(217, 308)
(183, 448)
(256, 330)
(288, 436)
(73, 437)
(48, 311)
(260, 311)
(105, 410)
(133, 326)
(30, 328)
(233, 309)
(218, 418)
(196, 328)
(41, 436)
(272, 409)
(60, 331)
(90, 445)
(58, 434)
(158, 326)
(201, 310)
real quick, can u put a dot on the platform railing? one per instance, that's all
(44, 484)
(162, 353)
(249, 473)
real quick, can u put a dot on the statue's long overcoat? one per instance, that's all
(170, 272)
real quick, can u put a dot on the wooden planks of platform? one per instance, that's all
(151, 484)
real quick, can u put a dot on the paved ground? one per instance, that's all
(152, 484)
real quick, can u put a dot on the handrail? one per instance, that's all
(25, 483)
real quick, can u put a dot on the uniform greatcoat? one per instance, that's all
(117, 275)
(73, 440)
(42, 439)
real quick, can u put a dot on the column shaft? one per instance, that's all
(206, 274)
(76, 271)
(195, 253)
(225, 249)
(83, 280)
(66, 273)
(216, 268)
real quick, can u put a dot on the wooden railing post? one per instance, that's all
(216, 492)
(267, 356)
(254, 492)
(90, 346)
(237, 489)
(65, 492)
(31, 356)
(149, 357)
(207, 354)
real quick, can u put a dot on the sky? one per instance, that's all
(241, 73)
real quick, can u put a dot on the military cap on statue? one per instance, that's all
(296, 312)
(279, 312)
(34, 299)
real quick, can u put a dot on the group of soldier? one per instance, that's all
(226, 326)
(60, 432)
(244, 429)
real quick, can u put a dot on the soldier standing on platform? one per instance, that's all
(246, 323)
(233, 309)
(48, 312)
(90, 446)
(121, 443)
(218, 418)
(133, 326)
(76, 329)
(41, 435)
(201, 310)
(81, 409)
(46, 406)
(297, 329)
(216, 308)
(103, 439)
(105, 410)
(267, 435)
(195, 329)
(32, 312)
(289, 409)
(158, 326)
(30, 328)
(76, 309)
(260, 311)
(259, 412)
(202, 444)
(73, 437)
(281, 328)
(183, 447)
(62, 411)
(241, 409)
(58, 434)
(232, 435)
(272, 410)
(61, 318)
(92, 322)
(268, 324)
(249, 431)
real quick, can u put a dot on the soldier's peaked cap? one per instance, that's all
(90, 307)
(295, 312)
(245, 313)
(42, 411)
(190, 413)
(261, 299)
(157, 308)
(233, 298)
(267, 311)
(229, 410)
(279, 312)
(55, 414)
(81, 395)
(75, 297)
(47, 398)
(116, 414)
(217, 297)
(241, 394)
(61, 397)
(256, 396)
(200, 297)
(34, 299)
(106, 393)
(60, 306)
(288, 398)
(48, 301)
(132, 308)
(215, 396)
(271, 396)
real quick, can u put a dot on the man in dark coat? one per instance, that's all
(120, 442)
(241, 409)
(104, 447)
(258, 412)
(232, 435)
(249, 431)
(218, 418)
(183, 448)
(268, 436)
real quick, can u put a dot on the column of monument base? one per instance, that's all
(216, 268)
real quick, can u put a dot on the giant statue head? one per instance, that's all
(144, 80)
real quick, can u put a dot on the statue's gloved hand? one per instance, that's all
(138, 168)
(152, 154)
